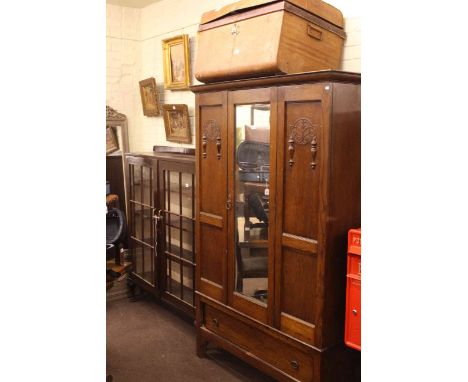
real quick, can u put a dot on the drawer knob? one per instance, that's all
(215, 322)
(295, 365)
(355, 312)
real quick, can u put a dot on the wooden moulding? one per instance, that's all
(174, 150)
(211, 219)
(286, 79)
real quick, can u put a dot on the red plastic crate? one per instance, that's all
(353, 291)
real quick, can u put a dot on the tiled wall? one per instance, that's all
(124, 65)
(352, 49)
(172, 20)
(134, 48)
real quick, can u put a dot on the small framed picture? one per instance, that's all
(176, 55)
(149, 97)
(176, 123)
(111, 141)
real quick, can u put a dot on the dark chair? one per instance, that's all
(251, 267)
(255, 265)
(258, 206)
(253, 158)
(115, 231)
(115, 226)
(110, 251)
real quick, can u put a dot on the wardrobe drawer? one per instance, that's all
(288, 359)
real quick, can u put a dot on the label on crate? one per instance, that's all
(356, 240)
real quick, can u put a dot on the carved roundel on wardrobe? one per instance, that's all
(211, 130)
(302, 132)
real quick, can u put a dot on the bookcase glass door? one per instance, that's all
(178, 227)
(141, 202)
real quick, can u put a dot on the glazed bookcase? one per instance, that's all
(162, 224)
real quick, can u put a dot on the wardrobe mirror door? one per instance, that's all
(251, 199)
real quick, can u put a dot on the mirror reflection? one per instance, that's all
(252, 169)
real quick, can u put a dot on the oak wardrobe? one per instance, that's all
(278, 186)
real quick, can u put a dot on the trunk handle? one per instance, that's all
(314, 32)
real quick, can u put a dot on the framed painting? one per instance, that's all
(176, 55)
(176, 123)
(149, 97)
(111, 141)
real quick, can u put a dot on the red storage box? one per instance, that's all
(353, 291)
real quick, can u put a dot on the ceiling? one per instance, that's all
(132, 3)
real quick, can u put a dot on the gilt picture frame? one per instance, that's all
(111, 141)
(149, 97)
(177, 123)
(176, 60)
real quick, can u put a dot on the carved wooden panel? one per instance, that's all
(303, 113)
(313, 150)
(301, 178)
(211, 195)
(211, 167)
(211, 131)
(303, 132)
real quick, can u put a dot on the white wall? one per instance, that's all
(124, 65)
(141, 31)
(160, 21)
